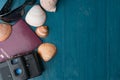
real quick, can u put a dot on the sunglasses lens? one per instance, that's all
(6, 8)
(30, 2)
(17, 13)
(13, 16)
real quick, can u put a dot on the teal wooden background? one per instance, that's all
(87, 36)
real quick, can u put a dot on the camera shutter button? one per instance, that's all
(18, 71)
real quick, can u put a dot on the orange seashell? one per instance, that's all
(42, 31)
(47, 51)
(5, 31)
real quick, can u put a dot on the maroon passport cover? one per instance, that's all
(21, 41)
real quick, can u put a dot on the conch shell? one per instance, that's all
(35, 16)
(49, 5)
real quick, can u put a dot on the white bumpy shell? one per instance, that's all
(35, 16)
(49, 5)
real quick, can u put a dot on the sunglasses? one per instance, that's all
(16, 14)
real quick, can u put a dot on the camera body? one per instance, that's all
(21, 68)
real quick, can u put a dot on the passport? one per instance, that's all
(21, 41)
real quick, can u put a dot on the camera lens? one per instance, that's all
(18, 71)
(14, 61)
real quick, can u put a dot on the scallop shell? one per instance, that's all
(35, 16)
(49, 5)
(5, 31)
(47, 51)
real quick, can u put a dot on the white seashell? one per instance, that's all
(35, 16)
(49, 5)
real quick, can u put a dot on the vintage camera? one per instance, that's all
(21, 68)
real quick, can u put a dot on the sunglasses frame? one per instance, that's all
(16, 13)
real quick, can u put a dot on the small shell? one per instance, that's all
(46, 51)
(49, 5)
(42, 31)
(35, 16)
(5, 31)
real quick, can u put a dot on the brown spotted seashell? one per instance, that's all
(42, 31)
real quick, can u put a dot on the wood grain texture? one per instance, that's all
(86, 33)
